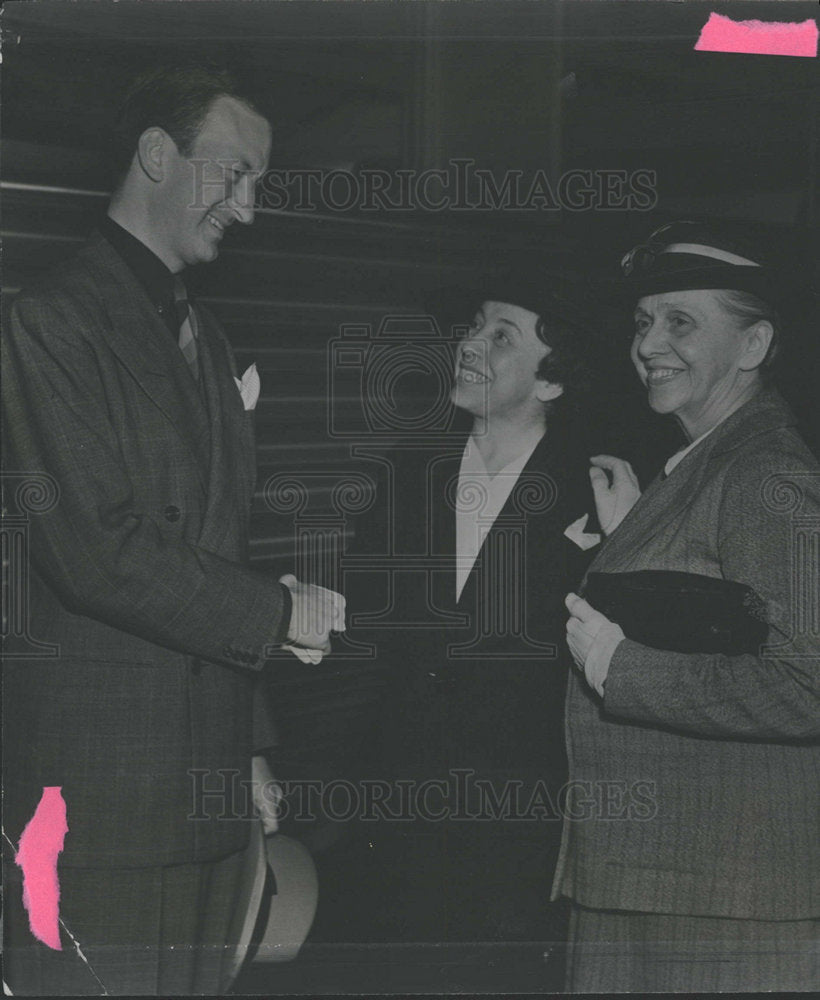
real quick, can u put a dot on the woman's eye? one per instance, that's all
(641, 326)
(501, 337)
(679, 323)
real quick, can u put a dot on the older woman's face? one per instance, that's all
(687, 351)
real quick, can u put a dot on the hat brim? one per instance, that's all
(760, 281)
(549, 294)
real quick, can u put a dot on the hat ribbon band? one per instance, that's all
(701, 250)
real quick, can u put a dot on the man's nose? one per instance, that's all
(241, 202)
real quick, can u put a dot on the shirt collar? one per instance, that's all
(473, 463)
(149, 270)
(679, 456)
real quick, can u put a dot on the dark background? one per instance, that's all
(512, 86)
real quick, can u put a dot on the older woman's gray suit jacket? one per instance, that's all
(699, 773)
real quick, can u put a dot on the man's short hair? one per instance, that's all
(174, 98)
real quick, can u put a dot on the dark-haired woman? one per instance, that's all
(476, 678)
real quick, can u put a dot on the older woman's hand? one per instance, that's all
(613, 502)
(592, 639)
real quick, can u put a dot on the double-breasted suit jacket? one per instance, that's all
(138, 574)
(700, 772)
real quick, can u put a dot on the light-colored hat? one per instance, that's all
(293, 906)
(277, 935)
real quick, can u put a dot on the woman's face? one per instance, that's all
(496, 365)
(689, 352)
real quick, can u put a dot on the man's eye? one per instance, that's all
(679, 323)
(501, 337)
(641, 326)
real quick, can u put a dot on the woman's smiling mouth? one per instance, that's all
(470, 376)
(659, 376)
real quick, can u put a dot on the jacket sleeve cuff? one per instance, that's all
(265, 737)
(639, 678)
(287, 610)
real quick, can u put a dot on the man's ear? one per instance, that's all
(546, 391)
(757, 339)
(152, 151)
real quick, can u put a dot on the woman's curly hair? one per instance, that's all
(567, 364)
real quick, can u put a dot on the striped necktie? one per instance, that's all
(188, 329)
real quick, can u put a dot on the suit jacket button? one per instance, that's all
(171, 513)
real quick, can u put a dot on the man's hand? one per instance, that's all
(316, 613)
(267, 794)
(613, 502)
(592, 639)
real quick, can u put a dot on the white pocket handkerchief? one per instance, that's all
(575, 533)
(249, 387)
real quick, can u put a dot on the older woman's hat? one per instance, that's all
(692, 255)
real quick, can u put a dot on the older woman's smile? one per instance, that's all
(693, 357)
(659, 376)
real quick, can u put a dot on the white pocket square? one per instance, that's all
(575, 533)
(249, 387)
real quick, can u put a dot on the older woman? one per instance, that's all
(690, 846)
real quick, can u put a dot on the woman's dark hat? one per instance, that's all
(548, 293)
(691, 255)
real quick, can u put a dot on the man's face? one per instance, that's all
(496, 365)
(202, 194)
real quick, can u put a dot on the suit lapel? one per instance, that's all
(232, 454)
(664, 499)
(144, 345)
(441, 497)
(533, 484)
(658, 506)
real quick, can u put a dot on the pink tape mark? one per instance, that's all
(764, 38)
(40, 843)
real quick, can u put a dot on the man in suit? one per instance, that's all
(475, 662)
(125, 397)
